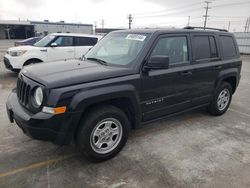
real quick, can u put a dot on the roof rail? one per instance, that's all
(206, 28)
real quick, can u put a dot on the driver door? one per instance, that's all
(62, 49)
(166, 91)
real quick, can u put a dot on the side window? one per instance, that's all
(201, 47)
(205, 47)
(85, 41)
(228, 46)
(174, 47)
(64, 41)
(213, 47)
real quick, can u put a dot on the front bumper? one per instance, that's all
(13, 63)
(7, 63)
(40, 126)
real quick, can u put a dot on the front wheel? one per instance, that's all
(103, 133)
(221, 100)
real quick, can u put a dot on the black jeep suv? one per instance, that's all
(129, 78)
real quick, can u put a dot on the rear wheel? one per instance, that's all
(103, 133)
(221, 100)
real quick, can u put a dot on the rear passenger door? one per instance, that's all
(83, 44)
(206, 64)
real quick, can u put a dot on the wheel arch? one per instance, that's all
(34, 59)
(231, 76)
(124, 97)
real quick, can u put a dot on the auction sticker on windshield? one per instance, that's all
(136, 37)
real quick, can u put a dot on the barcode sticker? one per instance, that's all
(136, 37)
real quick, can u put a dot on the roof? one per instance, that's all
(60, 23)
(14, 22)
(151, 31)
(76, 35)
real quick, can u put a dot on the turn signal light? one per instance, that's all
(55, 111)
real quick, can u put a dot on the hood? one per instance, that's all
(18, 48)
(70, 72)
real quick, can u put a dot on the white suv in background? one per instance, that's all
(53, 47)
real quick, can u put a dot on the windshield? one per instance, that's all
(118, 48)
(44, 41)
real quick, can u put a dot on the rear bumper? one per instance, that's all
(40, 126)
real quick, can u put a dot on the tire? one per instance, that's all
(218, 107)
(101, 125)
(32, 61)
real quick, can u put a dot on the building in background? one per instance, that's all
(10, 29)
(243, 40)
(104, 31)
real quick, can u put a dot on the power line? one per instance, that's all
(163, 12)
(167, 10)
(171, 13)
(181, 10)
(236, 17)
(206, 13)
(231, 4)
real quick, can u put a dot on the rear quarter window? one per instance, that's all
(228, 47)
(85, 41)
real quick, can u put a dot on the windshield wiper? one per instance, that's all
(102, 62)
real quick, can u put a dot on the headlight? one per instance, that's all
(38, 96)
(17, 53)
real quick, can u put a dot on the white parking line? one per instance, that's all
(242, 113)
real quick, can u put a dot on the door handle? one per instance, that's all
(217, 67)
(70, 51)
(186, 73)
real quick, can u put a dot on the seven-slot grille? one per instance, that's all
(23, 91)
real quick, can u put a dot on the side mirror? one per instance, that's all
(83, 57)
(157, 62)
(53, 45)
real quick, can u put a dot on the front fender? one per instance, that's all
(35, 55)
(84, 99)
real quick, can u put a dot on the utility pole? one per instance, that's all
(206, 13)
(188, 21)
(130, 20)
(248, 25)
(95, 26)
(245, 30)
(229, 24)
(102, 23)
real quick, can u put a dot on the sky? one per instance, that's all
(146, 13)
